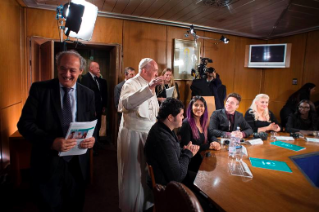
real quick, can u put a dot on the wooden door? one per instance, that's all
(46, 60)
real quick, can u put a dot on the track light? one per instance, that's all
(192, 32)
(224, 39)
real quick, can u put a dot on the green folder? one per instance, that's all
(270, 164)
(287, 146)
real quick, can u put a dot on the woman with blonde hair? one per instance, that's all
(259, 117)
(168, 83)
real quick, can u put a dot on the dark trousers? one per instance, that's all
(64, 191)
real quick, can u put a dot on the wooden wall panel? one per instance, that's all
(11, 75)
(311, 66)
(142, 40)
(9, 119)
(10, 81)
(247, 81)
(42, 23)
(223, 58)
(108, 30)
(278, 81)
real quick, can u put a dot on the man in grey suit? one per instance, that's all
(224, 122)
(58, 182)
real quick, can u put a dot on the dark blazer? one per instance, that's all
(219, 123)
(117, 93)
(200, 87)
(100, 96)
(41, 122)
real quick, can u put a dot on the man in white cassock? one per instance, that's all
(139, 106)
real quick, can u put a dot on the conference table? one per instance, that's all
(268, 190)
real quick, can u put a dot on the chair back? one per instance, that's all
(181, 198)
(174, 197)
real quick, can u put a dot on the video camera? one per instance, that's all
(202, 68)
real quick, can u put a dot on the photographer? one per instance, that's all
(209, 84)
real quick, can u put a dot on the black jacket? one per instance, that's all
(100, 95)
(219, 123)
(41, 122)
(200, 87)
(250, 118)
(117, 93)
(163, 153)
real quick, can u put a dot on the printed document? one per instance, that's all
(169, 91)
(79, 131)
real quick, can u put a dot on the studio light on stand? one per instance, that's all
(76, 19)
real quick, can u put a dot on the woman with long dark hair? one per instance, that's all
(194, 129)
(304, 120)
(290, 107)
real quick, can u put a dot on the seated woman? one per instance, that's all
(168, 83)
(304, 120)
(290, 107)
(259, 117)
(194, 129)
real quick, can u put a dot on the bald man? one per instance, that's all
(139, 107)
(92, 81)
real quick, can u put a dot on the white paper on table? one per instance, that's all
(284, 138)
(255, 141)
(312, 139)
(169, 91)
(79, 131)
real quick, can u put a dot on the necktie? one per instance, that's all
(66, 116)
(97, 82)
(66, 111)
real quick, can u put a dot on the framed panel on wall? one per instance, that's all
(186, 58)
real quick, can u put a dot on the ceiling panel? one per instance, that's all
(251, 18)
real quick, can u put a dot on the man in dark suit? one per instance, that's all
(58, 182)
(224, 122)
(210, 85)
(92, 81)
(129, 73)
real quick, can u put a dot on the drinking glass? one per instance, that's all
(273, 136)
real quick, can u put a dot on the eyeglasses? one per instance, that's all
(304, 108)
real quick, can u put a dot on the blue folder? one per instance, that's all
(287, 146)
(270, 164)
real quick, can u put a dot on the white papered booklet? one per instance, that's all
(169, 91)
(79, 131)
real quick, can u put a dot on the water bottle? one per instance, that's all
(237, 138)
(232, 147)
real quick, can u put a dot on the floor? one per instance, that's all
(102, 195)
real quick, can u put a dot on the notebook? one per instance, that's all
(270, 164)
(287, 146)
